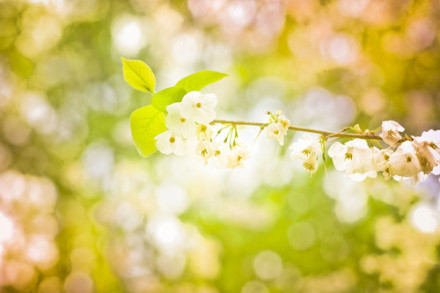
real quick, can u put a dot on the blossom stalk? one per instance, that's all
(296, 128)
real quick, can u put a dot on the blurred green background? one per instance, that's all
(81, 211)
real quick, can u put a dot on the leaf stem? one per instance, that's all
(295, 128)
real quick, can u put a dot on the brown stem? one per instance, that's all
(326, 133)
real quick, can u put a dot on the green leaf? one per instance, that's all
(167, 97)
(139, 75)
(146, 123)
(199, 80)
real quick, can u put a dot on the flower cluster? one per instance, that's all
(189, 131)
(404, 158)
(308, 150)
(413, 158)
(277, 128)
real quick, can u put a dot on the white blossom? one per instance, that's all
(205, 149)
(428, 157)
(199, 107)
(355, 157)
(278, 129)
(238, 154)
(219, 159)
(432, 138)
(170, 142)
(381, 158)
(308, 150)
(175, 121)
(204, 132)
(403, 162)
(274, 130)
(390, 132)
(283, 122)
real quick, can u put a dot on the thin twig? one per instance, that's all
(326, 133)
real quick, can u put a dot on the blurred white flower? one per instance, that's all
(204, 132)
(220, 155)
(199, 107)
(275, 130)
(381, 158)
(205, 149)
(283, 122)
(278, 128)
(307, 149)
(403, 162)
(170, 142)
(428, 157)
(238, 154)
(432, 138)
(355, 157)
(424, 218)
(390, 132)
(176, 122)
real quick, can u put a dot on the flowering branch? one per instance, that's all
(179, 118)
(295, 128)
(405, 157)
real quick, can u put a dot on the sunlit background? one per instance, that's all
(81, 211)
